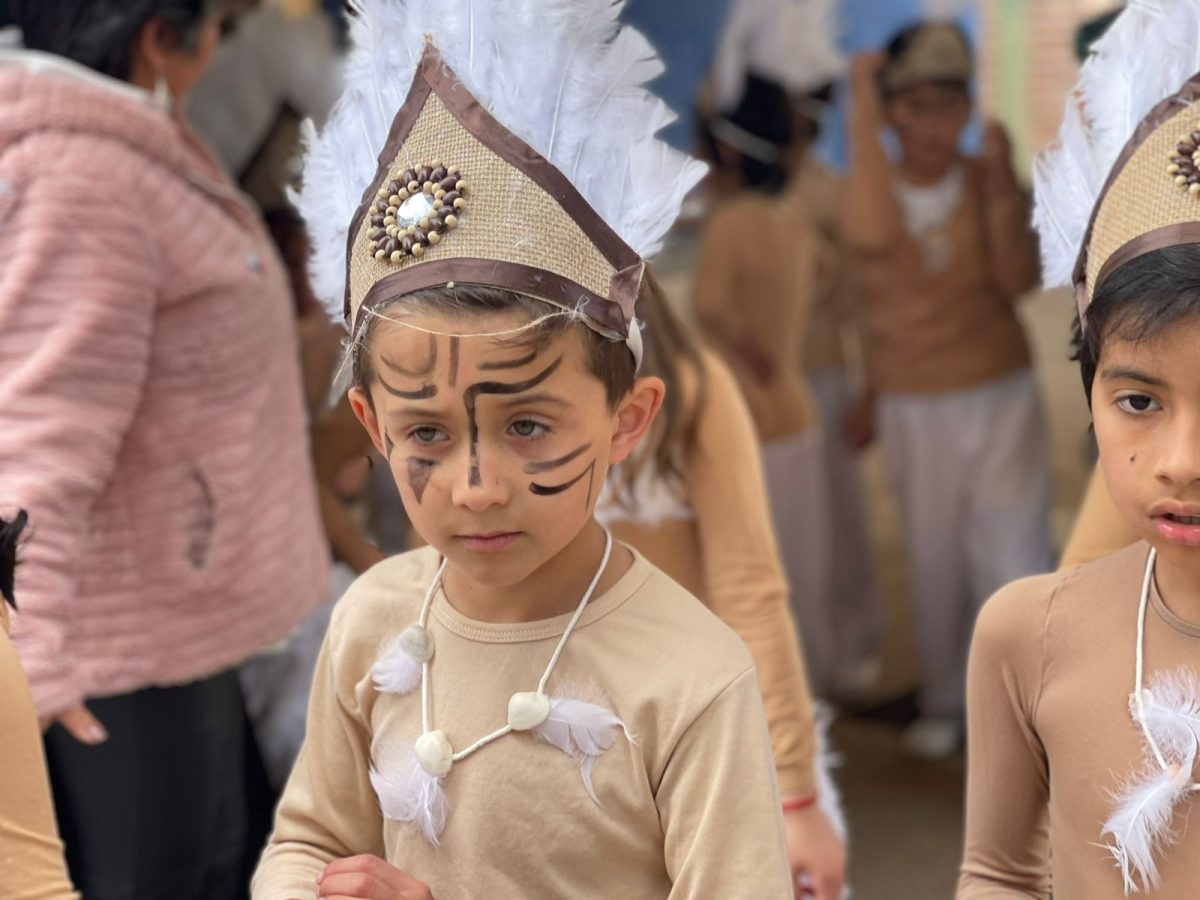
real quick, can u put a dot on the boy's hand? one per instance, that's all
(858, 426)
(816, 853)
(864, 73)
(368, 878)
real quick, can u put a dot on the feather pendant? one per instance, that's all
(583, 731)
(407, 792)
(1140, 826)
(395, 672)
(1172, 714)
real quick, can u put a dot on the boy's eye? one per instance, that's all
(527, 428)
(1138, 404)
(427, 434)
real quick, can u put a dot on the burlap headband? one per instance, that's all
(459, 199)
(1151, 199)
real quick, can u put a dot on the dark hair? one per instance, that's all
(10, 537)
(903, 39)
(608, 359)
(764, 114)
(1139, 301)
(100, 34)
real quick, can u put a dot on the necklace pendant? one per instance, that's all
(417, 643)
(434, 753)
(526, 711)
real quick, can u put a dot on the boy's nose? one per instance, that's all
(1179, 462)
(475, 487)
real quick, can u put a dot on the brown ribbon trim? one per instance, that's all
(562, 292)
(434, 76)
(1167, 236)
(1164, 110)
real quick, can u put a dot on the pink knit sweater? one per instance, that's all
(151, 418)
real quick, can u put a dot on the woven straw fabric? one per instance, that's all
(1144, 196)
(508, 217)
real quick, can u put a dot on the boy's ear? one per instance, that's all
(634, 417)
(360, 402)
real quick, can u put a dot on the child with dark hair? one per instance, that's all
(524, 697)
(943, 250)
(1084, 685)
(28, 833)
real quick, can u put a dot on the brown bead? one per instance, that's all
(447, 184)
(421, 236)
(438, 173)
(408, 177)
(382, 205)
(407, 244)
(376, 233)
(1194, 178)
(451, 197)
(436, 224)
(393, 186)
(377, 221)
(391, 245)
(423, 174)
(1186, 149)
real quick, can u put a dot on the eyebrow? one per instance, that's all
(1120, 373)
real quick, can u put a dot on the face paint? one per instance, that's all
(509, 363)
(418, 372)
(388, 444)
(419, 473)
(425, 393)
(496, 388)
(542, 490)
(453, 361)
(550, 465)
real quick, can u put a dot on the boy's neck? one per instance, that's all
(1179, 585)
(919, 177)
(552, 590)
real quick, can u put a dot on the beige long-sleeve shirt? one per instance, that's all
(688, 810)
(31, 854)
(1051, 739)
(726, 555)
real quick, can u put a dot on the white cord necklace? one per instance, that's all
(409, 784)
(1169, 720)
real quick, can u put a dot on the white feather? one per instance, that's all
(1147, 54)
(1172, 714)
(583, 731)
(395, 672)
(563, 75)
(407, 793)
(1140, 827)
(829, 798)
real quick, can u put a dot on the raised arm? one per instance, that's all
(871, 217)
(1011, 242)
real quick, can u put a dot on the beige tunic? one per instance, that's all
(688, 810)
(1051, 738)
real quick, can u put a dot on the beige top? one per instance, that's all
(726, 555)
(1099, 528)
(1051, 738)
(31, 854)
(814, 194)
(754, 288)
(690, 810)
(928, 332)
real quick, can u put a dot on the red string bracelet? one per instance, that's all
(794, 804)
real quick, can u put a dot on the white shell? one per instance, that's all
(417, 643)
(434, 753)
(527, 711)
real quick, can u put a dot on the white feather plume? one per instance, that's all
(583, 731)
(829, 798)
(563, 75)
(1172, 714)
(1147, 54)
(1140, 827)
(407, 793)
(395, 672)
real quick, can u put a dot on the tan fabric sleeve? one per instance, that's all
(745, 582)
(31, 853)
(715, 282)
(1099, 528)
(1007, 838)
(328, 810)
(720, 812)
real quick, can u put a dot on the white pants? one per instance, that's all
(795, 473)
(971, 474)
(854, 593)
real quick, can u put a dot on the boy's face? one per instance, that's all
(499, 448)
(928, 121)
(1146, 407)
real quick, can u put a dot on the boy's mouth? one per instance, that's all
(1178, 525)
(492, 542)
(1182, 520)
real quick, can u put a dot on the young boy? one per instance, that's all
(523, 709)
(1084, 685)
(945, 250)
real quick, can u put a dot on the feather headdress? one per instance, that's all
(1110, 178)
(510, 144)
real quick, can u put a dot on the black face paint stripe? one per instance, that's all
(388, 444)
(430, 390)
(539, 467)
(419, 473)
(542, 490)
(502, 388)
(509, 363)
(423, 370)
(453, 361)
